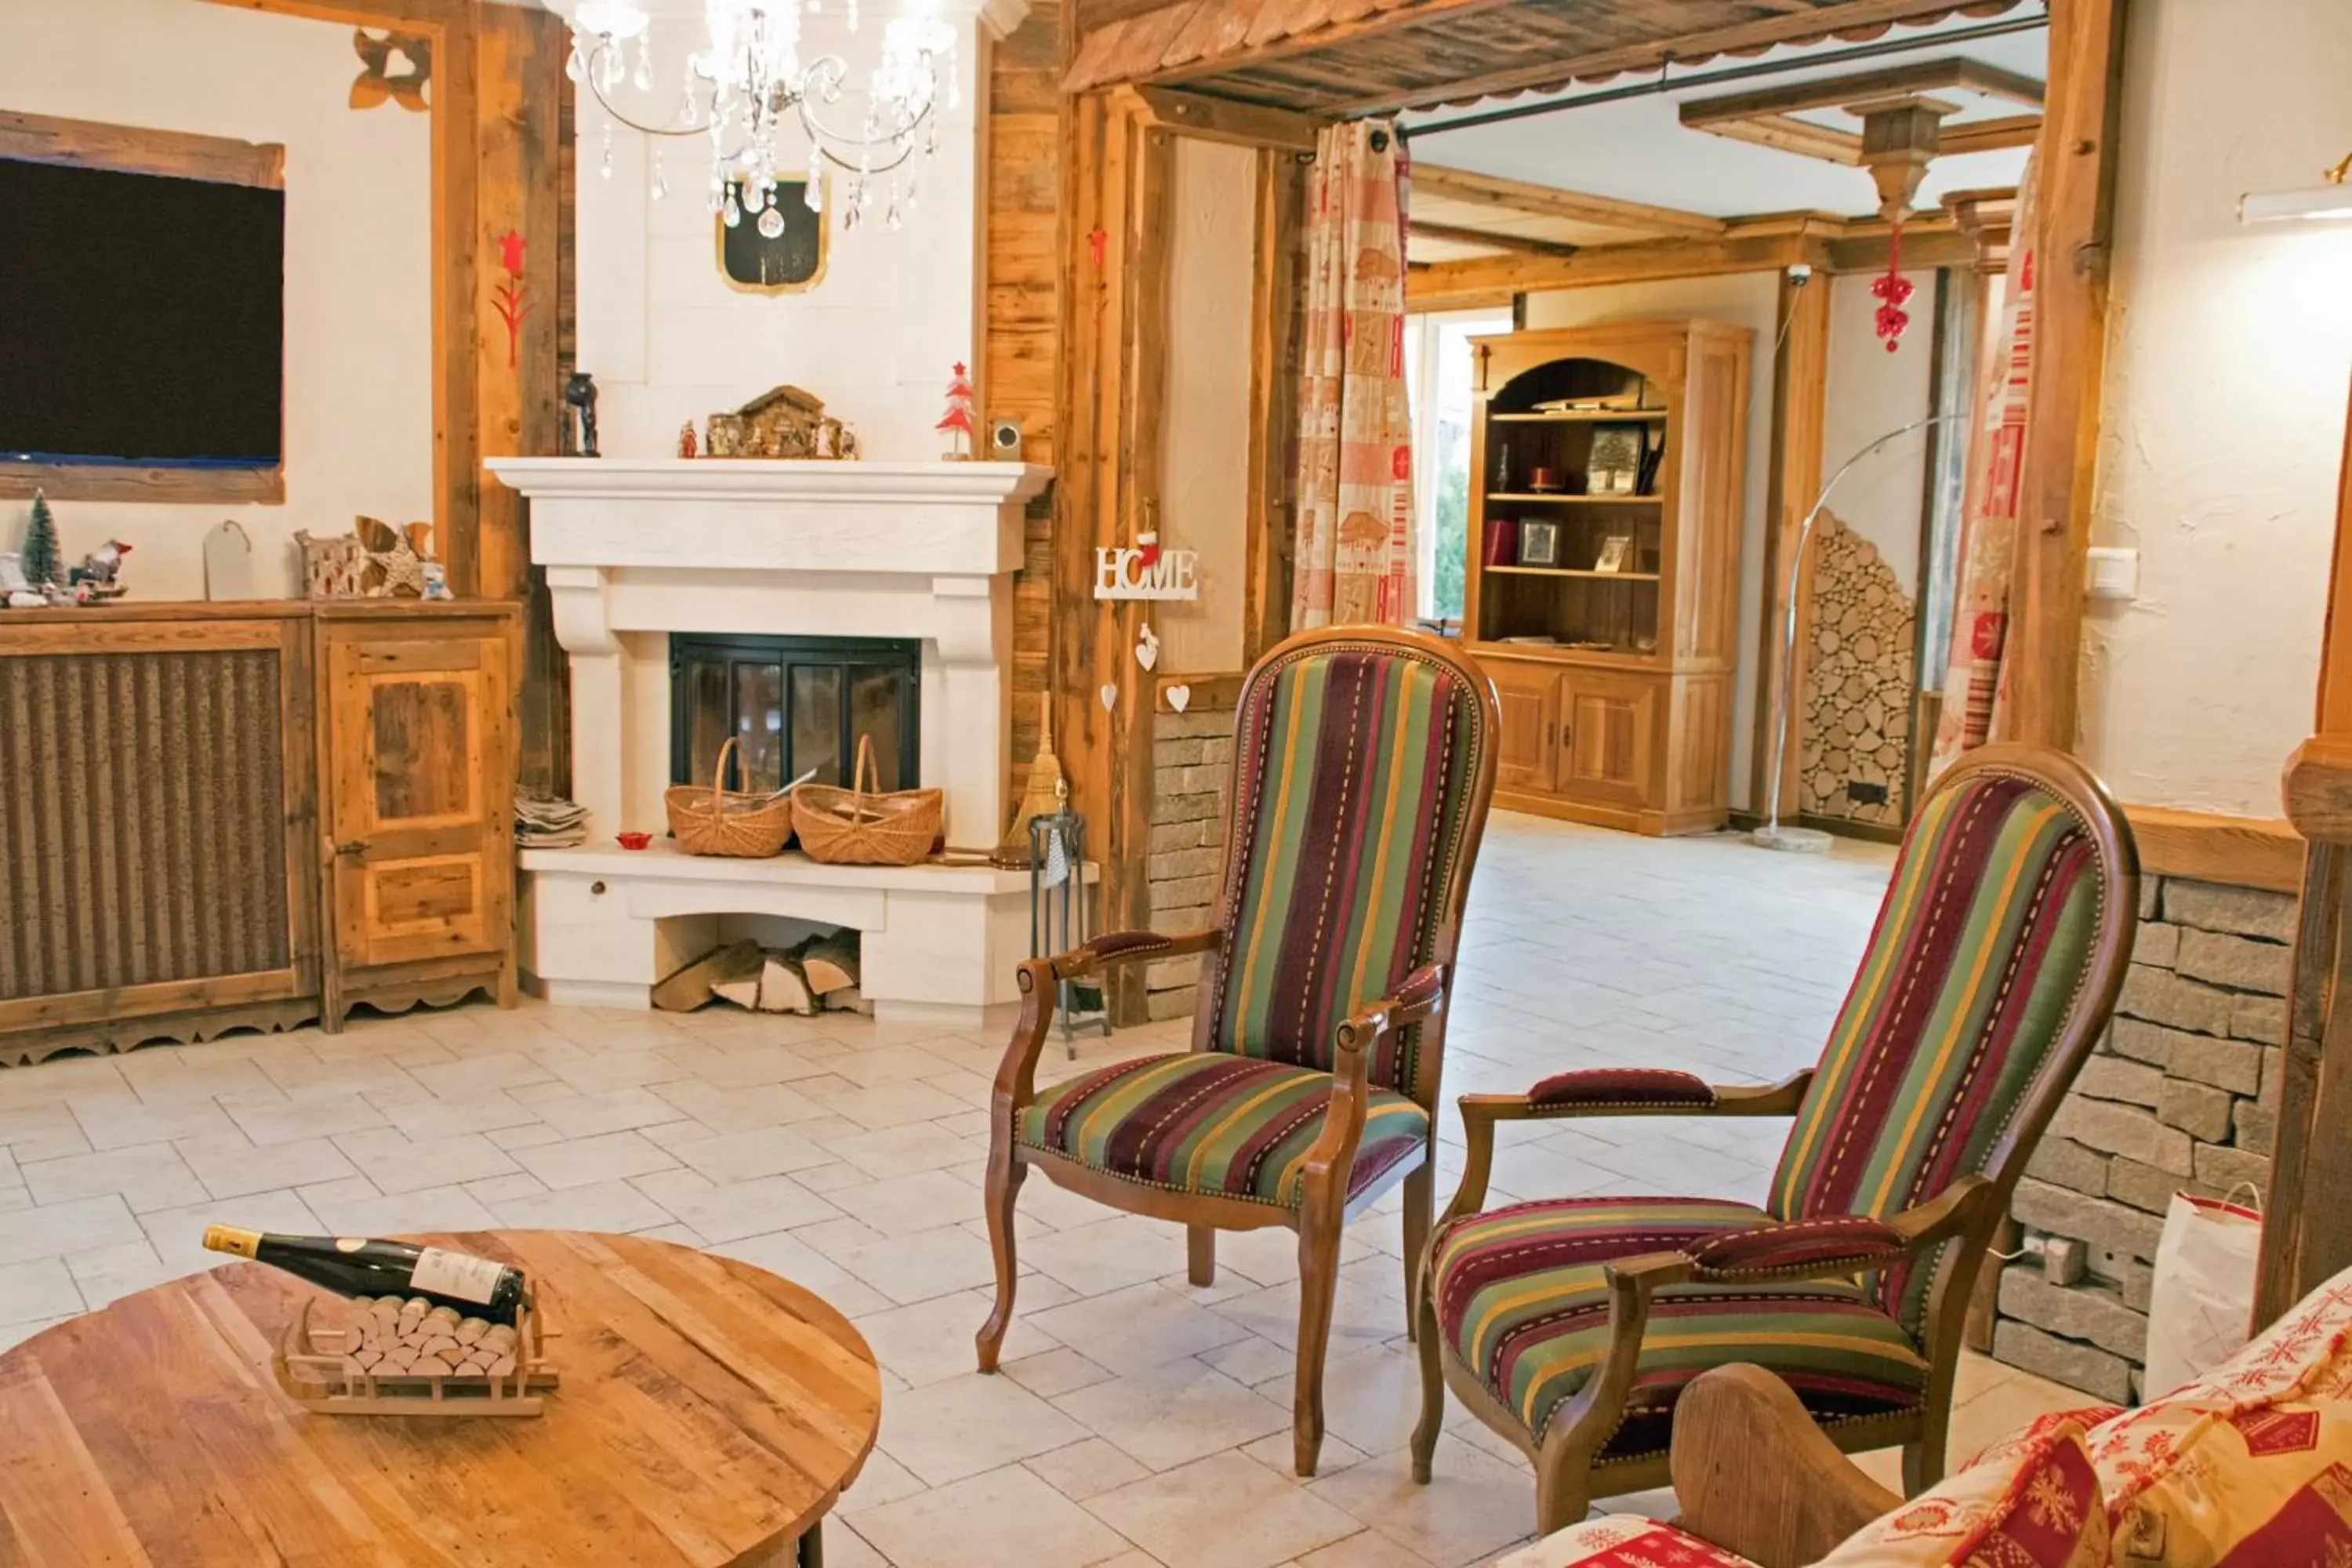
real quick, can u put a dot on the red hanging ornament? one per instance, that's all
(1893, 291)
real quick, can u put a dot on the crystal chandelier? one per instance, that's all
(747, 87)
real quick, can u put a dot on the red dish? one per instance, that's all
(633, 840)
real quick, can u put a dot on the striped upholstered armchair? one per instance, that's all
(1363, 763)
(1572, 1326)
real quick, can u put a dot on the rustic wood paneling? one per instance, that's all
(1024, 185)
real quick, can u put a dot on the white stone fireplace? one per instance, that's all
(635, 550)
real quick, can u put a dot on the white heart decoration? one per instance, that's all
(1110, 695)
(1178, 697)
(1147, 648)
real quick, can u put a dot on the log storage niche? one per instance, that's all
(169, 842)
(1605, 480)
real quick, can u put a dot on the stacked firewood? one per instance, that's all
(413, 1338)
(818, 974)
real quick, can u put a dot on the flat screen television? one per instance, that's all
(142, 319)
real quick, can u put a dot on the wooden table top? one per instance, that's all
(709, 1412)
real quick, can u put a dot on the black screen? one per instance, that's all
(142, 317)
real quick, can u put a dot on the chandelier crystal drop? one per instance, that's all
(748, 91)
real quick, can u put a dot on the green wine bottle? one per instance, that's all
(357, 1266)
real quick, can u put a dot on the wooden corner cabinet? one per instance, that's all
(251, 815)
(1606, 471)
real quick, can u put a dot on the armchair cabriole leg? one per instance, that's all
(1432, 1384)
(1419, 1195)
(1201, 1254)
(1004, 1191)
(1563, 1483)
(1923, 1462)
(1318, 1279)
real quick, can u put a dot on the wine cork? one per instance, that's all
(353, 1368)
(368, 1357)
(395, 1361)
(429, 1365)
(444, 1316)
(440, 1344)
(472, 1330)
(499, 1334)
(503, 1367)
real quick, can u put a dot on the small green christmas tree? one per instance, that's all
(39, 561)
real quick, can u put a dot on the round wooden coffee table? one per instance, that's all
(709, 1414)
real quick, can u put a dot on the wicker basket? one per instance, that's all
(719, 821)
(862, 827)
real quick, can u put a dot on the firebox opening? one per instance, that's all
(793, 704)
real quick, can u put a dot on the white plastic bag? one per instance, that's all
(2202, 1302)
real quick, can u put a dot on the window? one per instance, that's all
(1437, 386)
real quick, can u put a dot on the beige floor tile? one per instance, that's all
(895, 1151)
(1139, 1326)
(1050, 1373)
(882, 1479)
(907, 1269)
(429, 1208)
(1112, 1252)
(932, 1340)
(1473, 1505)
(1368, 1549)
(14, 1334)
(747, 1156)
(891, 1105)
(577, 1115)
(149, 1176)
(395, 1162)
(37, 1290)
(731, 1107)
(1174, 1412)
(108, 1273)
(844, 1548)
(56, 1229)
(607, 1157)
(965, 1425)
(494, 1111)
(123, 1120)
(1277, 1453)
(233, 1166)
(596, 1206)
(918, 1201)
(1222, 1511)
(1371, 1397)
(39, 1129)
(1005, 1518)
(473, 1075)
(1086, 1469)
(730, 1211)
(266, 1119)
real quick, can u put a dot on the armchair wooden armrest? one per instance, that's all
(1419, 997)
(1606, 1091)
(1040, 982)
(1756, 1475)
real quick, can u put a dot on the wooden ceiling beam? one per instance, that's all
(1955, 74)
(1990, 135)
(1766, 246)
(1523, 244)
(1816, 22)
(1224, 120)
(1493, 191)
(1787, 133)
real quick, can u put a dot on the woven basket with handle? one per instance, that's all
(748, 824)
(862, 826)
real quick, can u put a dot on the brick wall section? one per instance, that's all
(2181, 1094)
(1193, 761)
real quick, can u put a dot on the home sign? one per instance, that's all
(1143, 571)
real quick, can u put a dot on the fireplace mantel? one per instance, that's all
(858, 549)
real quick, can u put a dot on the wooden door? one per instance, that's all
(1527, 755)
(419, 830)
(1608, 737)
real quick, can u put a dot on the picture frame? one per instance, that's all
(1538, 544)
(1616, 553)
(791, 261)
(1612, 465)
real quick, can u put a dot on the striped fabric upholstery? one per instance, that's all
(1981, 947)
(1352, 796)
(1208, 1122)
(1522, 1300)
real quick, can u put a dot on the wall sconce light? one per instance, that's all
(2332, 199)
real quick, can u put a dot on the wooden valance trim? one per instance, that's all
(136, 150)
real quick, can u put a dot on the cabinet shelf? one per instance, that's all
(1582, 416)
(1577, 572)
(1559, 500)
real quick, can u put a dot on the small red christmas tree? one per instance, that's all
(958, 417)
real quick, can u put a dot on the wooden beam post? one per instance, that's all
(1800, 391)
(2075, 166)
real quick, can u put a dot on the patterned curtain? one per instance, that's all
(1354, 560)
(1976, 679)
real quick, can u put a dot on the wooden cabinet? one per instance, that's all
(416, 749)
(251, 815)
(1606, 471)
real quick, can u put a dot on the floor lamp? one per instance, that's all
(1772, 836)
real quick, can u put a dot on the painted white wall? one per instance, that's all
(359, 371)
(1749, 299)
(1868, 392)
(668, 338)
(1204, 478)
(2224, 415)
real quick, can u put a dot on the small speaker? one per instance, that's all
(1004, 440)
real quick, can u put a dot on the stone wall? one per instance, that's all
(1192, 761)
(2180, 1095)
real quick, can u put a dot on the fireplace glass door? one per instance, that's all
(792, 705)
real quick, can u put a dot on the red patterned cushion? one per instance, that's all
(2044, 1510)
(1621, 1086)
(1800, 1248)
(1622, 1541)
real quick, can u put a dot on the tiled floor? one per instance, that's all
(1140, 1420)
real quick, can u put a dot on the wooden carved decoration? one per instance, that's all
(377, 81)
(332, 568)
(783, 423)
(396, 566)
(509, 298)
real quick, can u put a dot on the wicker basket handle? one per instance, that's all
(718, 779)
(867, 767)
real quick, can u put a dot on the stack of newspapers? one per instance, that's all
(543, 821)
